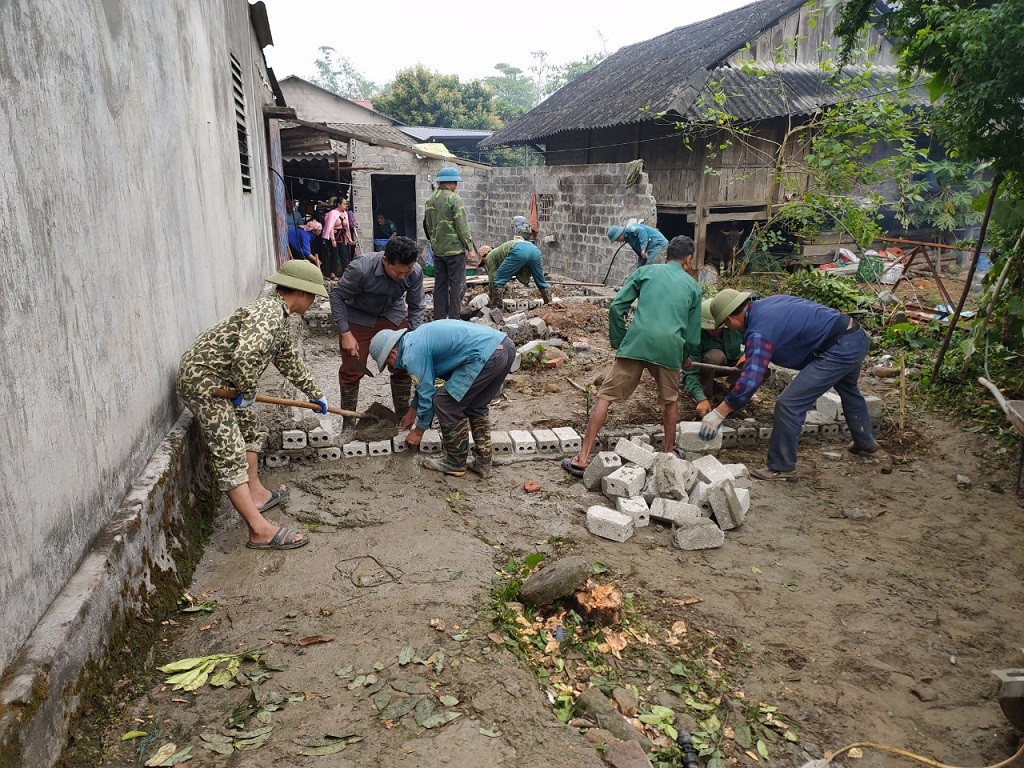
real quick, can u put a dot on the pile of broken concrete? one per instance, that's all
(699, 499)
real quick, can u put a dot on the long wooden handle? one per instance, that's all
(230, 394)
(715, 368)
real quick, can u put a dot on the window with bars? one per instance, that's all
(240, 124)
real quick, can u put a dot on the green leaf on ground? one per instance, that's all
(133, 735)
(440, 719)
(449, 701)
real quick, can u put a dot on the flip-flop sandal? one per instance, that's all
(571, 468)
(273, 501)
(283, 539)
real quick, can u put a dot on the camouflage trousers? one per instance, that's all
(228, 432)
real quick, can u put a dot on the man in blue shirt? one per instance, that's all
(473, 361)
(824, 344)
(647, 242)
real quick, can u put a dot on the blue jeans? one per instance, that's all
(510, 267)
(839, 367)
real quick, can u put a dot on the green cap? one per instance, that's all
(301, 275)
(725, 302)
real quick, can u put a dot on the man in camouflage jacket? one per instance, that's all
(234, 353)
(445, 224)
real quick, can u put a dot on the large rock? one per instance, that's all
(593, 705)
(625, 754)
(555, 580)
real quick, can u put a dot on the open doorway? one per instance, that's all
(672, 223)
(395, 197)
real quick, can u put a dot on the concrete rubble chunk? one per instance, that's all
(688, 438)
(609, 524)
(635, 507)
(699, 496)
(874, 408)
(669, 511)
(627, 480)
(729, 504)
(673, 476)
(650, 491)
(700, 533)
(637, 453)
(600, 466)
(711, 470)
(830, 405)
(557, 579)
(819, 418)
(539, 326)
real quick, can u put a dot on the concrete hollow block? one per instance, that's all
(568, 438)
(501, 443)
(273, 459)
(330, 453)
(547, 442)
(698, 534)
(600, 466)
(637, 453)
(398, 442)
(522, 441)
(319, 438)
(355, 448)
(609, 524)
(674, 512)
(635, 507)
(627, 480)
(379, 447)
(688, 438)
(711, 470)
(430, 442)
(292, 439)
(728, 435)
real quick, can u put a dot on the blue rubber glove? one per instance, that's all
(710, 425)
(242, 402)
(322, 402)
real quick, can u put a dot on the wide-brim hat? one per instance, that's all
(382, 343)
(301, 275)
(707, 320)
(614, 232)
(725, 302)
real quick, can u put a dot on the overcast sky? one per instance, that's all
(466, 38)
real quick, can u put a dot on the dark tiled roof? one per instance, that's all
(664, 74)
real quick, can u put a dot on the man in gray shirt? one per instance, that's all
(377, 291)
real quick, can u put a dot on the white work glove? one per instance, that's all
(322, 402)
(710, 425)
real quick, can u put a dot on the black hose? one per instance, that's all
(685, 742)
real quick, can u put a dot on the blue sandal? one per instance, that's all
(273, 501)
(283, 539)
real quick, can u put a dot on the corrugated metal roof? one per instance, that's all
(668, 73)
(423, 133)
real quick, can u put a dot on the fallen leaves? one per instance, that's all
(169, 754)
(314, 639)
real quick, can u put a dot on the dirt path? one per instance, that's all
(871, 599)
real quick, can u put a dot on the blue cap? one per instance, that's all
(381, 345)
(614, 232)
(447, 174)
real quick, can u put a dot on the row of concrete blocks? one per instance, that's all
(700, 499)
(516, 444)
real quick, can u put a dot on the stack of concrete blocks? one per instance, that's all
(700, 500)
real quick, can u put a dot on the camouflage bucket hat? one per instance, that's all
(301, 275)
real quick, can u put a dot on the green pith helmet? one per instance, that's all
(614, 232)
(707, 320)
(301, 275)
(382, 343)
(727, 301)
(447, 174)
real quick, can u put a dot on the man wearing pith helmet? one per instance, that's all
(824, 344)
(445, 224)
(233, 354)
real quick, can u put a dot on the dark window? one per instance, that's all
(240, 125)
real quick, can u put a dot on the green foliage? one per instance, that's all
(909, 336)
(942, 196)
(563, 74)
(817, 285)
(336, 74)
(515, 92)
(418, 96)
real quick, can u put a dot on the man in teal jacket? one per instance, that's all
(664, 332)
(472, 360)
(647, 242)
(718, 346)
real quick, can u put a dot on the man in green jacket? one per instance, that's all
(518, 258)
(718, 346)
(444, 222)
(664, 332)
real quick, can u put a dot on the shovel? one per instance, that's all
(230, 394)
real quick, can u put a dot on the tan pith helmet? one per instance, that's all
(707, 320)
(301, 275)
(727, 301)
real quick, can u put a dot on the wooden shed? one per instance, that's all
(610, 114)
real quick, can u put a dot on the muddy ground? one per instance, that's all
(868, 601)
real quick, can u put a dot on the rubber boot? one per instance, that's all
(348, 401)
(401, 392)
(545, 294)
(454, 449)
(480, 426)
(496, 295)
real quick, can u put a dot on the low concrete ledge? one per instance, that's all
(131, 576)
